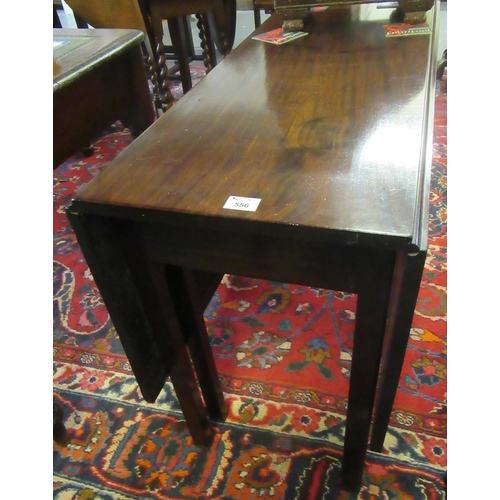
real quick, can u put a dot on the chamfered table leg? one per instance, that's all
(140, 306)
(405, 289)
(182, 375)
(189, 311)
(371, 315)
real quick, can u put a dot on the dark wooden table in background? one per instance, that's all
(333, 134)
(99, 78)
(294, 12)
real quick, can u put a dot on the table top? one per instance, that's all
(79, 50)
(331, 132)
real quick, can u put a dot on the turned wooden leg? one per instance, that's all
(150, 64)
(206, 42)
(164, 92)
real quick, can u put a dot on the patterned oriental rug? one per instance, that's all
(283, 354)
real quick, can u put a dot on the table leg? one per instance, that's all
(371, 314)
(178, 36)
(182, 375)
(206, 42)
(137, 110)
(190, 313)
(140, 306)
(60, 434)
(405, 288)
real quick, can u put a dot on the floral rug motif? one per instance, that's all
(283, 354)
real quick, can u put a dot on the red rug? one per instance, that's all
(283, 355)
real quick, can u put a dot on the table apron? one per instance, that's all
(310, 263)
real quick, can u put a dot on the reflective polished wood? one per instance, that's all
(98, 78)
(303, 126)
(333, 134)
(294, 12)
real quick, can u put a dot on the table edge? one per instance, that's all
(136, 37)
